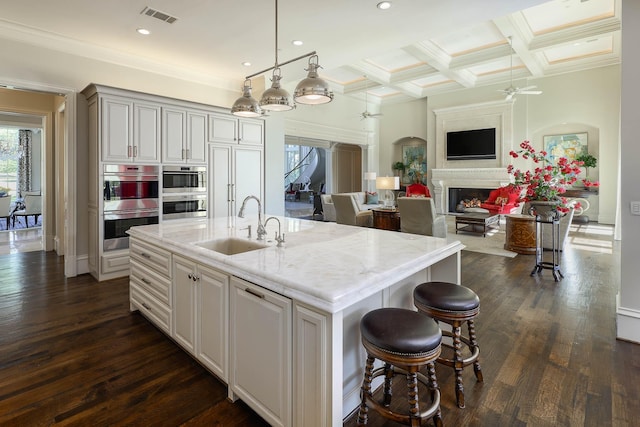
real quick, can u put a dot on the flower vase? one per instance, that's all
(544, 210)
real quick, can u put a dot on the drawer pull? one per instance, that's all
(146, 255)
(145, 281)
(144, 304)
(254, 293)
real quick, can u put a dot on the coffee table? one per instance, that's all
(478, 223)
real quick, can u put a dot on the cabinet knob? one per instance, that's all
(190, 276)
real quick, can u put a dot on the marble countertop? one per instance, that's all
(323, 264)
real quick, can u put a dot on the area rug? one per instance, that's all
(492, 244)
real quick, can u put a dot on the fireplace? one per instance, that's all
(471, 197)
(468, 178)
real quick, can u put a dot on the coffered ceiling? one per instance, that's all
(414, 49)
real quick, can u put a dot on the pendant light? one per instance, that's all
(276, 98)
(313, 90)
(246, 105)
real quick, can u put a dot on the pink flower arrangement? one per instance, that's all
(548, 181)
(590, 184)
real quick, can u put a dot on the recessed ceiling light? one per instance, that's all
(297, 42)
(143, 31)
(246, 63)
(384, 5)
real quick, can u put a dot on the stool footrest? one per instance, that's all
(386, 412)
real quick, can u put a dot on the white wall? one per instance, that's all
(629, 296)
(401, 121)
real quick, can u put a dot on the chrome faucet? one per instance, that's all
(260, 231)
(279, 236)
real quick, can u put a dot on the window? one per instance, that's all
(9, 153)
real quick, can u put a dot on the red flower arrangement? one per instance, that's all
(548, 181)
(590, 184)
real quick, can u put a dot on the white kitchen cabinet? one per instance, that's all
(201, 307)
(227, 129)
(150, 283)
(261, 350)
(130, 130)
(184, 135)
(184, 308)
(235, 173)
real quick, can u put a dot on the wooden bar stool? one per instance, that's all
(405, 341)
(455, 305)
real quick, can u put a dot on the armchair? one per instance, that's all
(417, 189)
(503, 200)
(32, 207)
(5, 208)
(418, 216)
(348, 212)
(328, 209)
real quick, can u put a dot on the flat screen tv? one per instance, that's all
(477, 144)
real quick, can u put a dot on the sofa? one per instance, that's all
(329, 210)
(503, 200)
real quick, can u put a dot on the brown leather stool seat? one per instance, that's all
(405, 341)
(455, 305)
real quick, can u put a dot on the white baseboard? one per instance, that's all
(82, 264)
(628, 323)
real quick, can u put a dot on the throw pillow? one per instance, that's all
(372, 199)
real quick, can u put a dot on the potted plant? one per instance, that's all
(398, 166)
(547, 182)
(588, 161)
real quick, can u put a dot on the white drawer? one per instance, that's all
(154, 310)
(112, 263)
(152, 282)
(153, 257)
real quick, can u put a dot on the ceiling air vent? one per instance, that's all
(159, 15)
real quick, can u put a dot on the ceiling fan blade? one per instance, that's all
(509, 96)
(530, 92)
(522, 89)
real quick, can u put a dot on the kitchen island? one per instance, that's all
(280, 325)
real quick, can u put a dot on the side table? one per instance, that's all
(554, 264)
(520, 234)
(386, 219)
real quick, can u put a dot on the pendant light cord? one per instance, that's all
(276, 65)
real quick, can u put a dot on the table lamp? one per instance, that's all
(369, 176)
(388, 183)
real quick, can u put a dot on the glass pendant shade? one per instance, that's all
(313, 90)
(276, 98)
(246, 105)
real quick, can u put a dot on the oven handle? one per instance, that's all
(141, 213)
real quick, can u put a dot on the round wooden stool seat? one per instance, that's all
(453, 304)
(405, 341)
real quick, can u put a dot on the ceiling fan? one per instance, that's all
(512, 90)
(366, 114)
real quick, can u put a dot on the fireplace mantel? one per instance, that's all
(442, 179)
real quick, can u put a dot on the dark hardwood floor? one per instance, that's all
(71, 353)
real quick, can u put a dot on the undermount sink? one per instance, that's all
(231, 245)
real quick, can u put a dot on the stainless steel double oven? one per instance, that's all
(184, 192)
(130, 198)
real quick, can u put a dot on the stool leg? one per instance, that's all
(363, 415)
(412, 393)
(474, 343)
(388, 383)
(433, 386)
(458, 363)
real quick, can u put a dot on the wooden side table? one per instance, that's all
(386, 219)
(521, 234)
